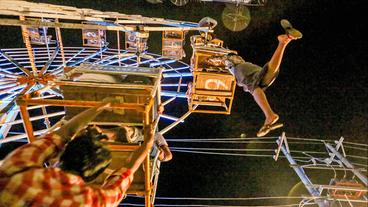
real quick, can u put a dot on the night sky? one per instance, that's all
(321, 91)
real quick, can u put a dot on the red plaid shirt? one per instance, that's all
(25, 182)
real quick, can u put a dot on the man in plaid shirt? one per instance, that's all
(25, 182)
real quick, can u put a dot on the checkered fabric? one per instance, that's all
(25, 182)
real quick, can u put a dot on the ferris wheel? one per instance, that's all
(31, 70)
(34, 80)
(39, 90)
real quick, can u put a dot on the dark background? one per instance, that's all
(321, 91)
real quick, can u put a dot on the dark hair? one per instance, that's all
(229, 55)
(86, 156)
(121, 134)
(94, 133)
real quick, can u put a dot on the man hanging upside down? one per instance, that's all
(132, 134)
(255, 79)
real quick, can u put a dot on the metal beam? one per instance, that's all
(173, 94)
(27, 123)
(76, 103)
(356, 171)
(44, 116)
(177, 75)
(169, 117)
(63, 25)
(304, 178)
(21, 136)
(343, 188)
(116, 27)
(10, 59)
(181, 119)
(12, 102)
(98, 52)
(4, 130)
(50, 11)
(49, 62)
(67, 61)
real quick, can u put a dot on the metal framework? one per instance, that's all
(40, 111)
(24, 77)
(213, 86)
(113, 21)
(343, 188)
(15, 64)
(32, 101)
(240, 2)
(236, 2)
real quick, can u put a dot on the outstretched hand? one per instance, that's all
(79, 121)
(161, 108)
(140, 154)
(107, 102)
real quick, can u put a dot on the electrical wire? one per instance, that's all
(290, 141)
(225, 141)
(310, 198)
(216, 153)
(225, 151)
(297, 158)
(198, 205)
(221, 149)
(356, 148)
(203, 205)
(234, 199)
(221, 139)
(240, 150)
(358, 144)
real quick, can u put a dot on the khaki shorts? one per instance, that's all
(250, 76)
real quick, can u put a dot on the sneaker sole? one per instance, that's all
(285, 24)
(290, 30)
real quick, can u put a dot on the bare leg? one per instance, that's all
(274, 63)
(273, 68)
(165, 154)
(261, 99)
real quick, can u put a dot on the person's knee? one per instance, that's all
(165, 154)
(256, 91)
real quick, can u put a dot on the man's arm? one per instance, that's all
(118, 183)
(79, 121)
(140, 154)
(164, 153)
(34, 154)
